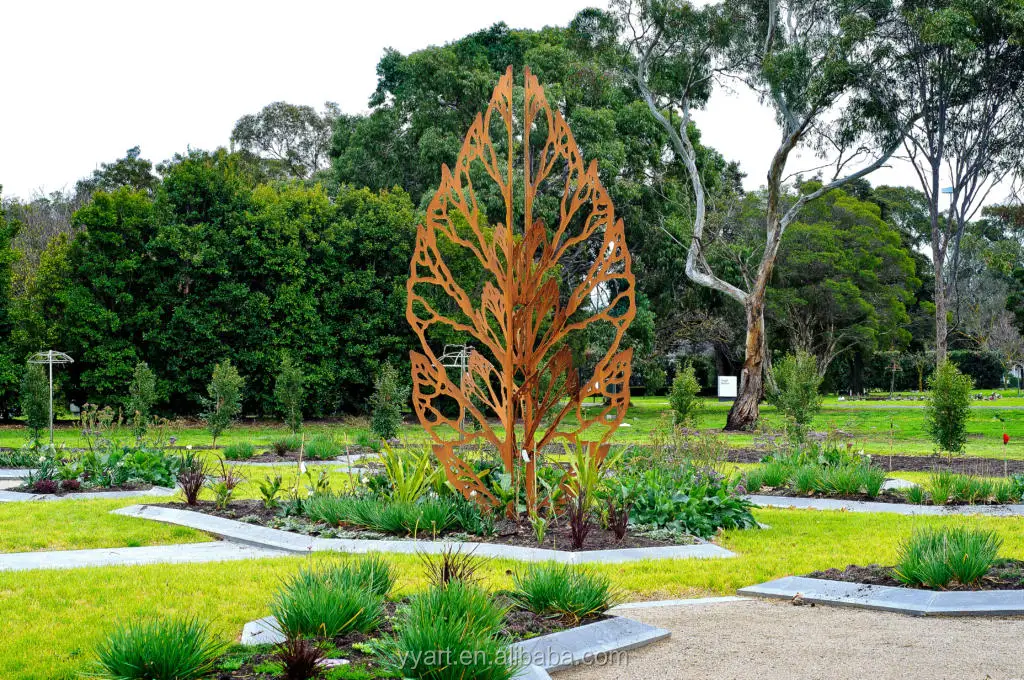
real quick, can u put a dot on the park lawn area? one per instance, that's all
(53, 619)
(85, 524)
(877, 427)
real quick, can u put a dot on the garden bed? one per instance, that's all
(893, 497)
(506, 533)
(984, 467)
(259, 662)
(62, 490)
(1003, 575)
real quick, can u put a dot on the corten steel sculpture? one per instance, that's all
(533, 294)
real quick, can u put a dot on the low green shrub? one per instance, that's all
(322, 447)
(807, 479)
(775, 474)
(941, 485)
(331, 602)
(372, 573)
(158, 649)
(567, 591)
(753, 481)
(915, 494)
(433, 516)
(1005, 491)
(239, 451)
(290, 443)
(934, 557)
(872, 479)
(450, 633)
(699, 502)
(846, 480)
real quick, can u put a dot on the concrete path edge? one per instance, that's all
(911, 601)
(276, 539)
(542, 655)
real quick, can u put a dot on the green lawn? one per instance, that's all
(83, 524)
(870, 423)
(52, 619)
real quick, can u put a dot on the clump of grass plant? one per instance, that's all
(935, 557)
(775, 474)
(431, 516)
(300, 658)
(332, 601)
(322, 447)
(872, 479)
(158, 649)
(563, 590)
(807, 479)
(915, 494)
(450, 632)
(940, 487)
(239, 451)
(290, 443)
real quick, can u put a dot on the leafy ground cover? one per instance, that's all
(54, 618)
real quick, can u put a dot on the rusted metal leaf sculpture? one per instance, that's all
(549, 270)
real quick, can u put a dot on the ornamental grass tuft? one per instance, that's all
(450, 633)
(935, 557)
(158, 649)
(568, 591)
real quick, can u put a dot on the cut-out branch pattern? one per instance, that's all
(520, 389)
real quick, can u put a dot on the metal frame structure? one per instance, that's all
(520, 389)
(51, 357)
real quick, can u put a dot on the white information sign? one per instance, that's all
(728, 386)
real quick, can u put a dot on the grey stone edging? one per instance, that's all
(890, 598)
(22, 497)
(803, 503)
(544, 654)
(277, 539)
(15, 473)
(186, 553)
(688, 602)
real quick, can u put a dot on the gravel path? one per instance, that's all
(763, 640)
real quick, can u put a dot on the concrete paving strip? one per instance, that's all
(691, 602)
(15, 473)
(770, 639)
(22, 497)
(276, 539)
(893, 508)
(158, 554)
(912, 601)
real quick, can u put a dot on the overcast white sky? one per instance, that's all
(84, 81)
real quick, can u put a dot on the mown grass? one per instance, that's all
(52, 619)
(83, 524)
(78, 525)
(868, 422)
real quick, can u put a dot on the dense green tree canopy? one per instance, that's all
(9, 363)
(842, 281)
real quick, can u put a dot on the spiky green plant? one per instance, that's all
(568, 591)
(158, 649)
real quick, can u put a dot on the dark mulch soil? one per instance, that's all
(556, 537)
(88, 489)
(1004, 575)
(519, 625)
(983, 467)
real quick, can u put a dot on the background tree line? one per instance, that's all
(297, 240)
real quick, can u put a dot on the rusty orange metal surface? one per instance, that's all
(528, 299)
